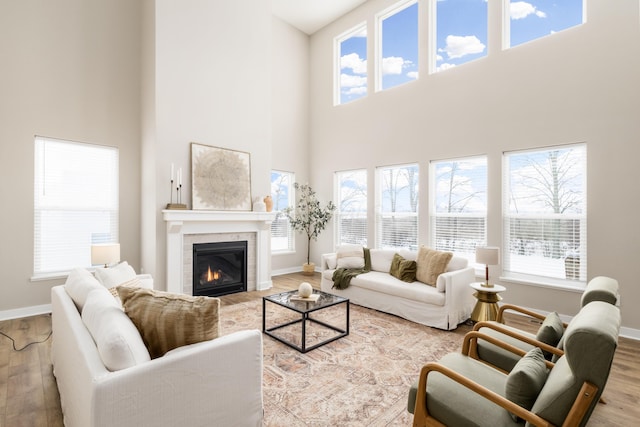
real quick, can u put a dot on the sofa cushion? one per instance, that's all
(167, 321)
(387, 284)
(526, 379)
(332, 261)
(431, 264)
(118, 341)
(116, 275)
(350, 256)
(79, 284)
(403, 269)
(381, 259)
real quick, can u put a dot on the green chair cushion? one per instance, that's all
(526, 379)
(550, 331)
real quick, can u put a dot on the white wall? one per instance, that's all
(578, 85)
(211, 85)
(290, 120)
(70, 70)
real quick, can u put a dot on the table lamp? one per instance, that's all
(106, 253)
(488, 255)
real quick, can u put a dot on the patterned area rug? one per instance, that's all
(360, 379)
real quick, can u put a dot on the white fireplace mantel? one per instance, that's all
(185, 222)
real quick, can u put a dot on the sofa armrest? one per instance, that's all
(459, 296)
(217, 382)
(326, 258)
(146, 280)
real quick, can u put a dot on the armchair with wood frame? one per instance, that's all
(550, 333)
(462, 390)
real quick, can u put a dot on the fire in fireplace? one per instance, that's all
(219, 268)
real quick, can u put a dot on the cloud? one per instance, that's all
(459, 46)
(412, 74)
(353, 61)
(348, 80)
(356, 91)
(444, 66)
(393, 65)
(522, 9)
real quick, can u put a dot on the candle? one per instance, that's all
(180, 177)
(171, 172)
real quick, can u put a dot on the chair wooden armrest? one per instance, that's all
(470, 348)
(521, 337)
(505, 307)
(421, 415)
(422, 418)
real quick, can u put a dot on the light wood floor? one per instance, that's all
(29, 397)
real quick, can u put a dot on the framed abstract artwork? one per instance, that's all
(221, 178)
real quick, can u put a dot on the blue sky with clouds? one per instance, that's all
(461, 36)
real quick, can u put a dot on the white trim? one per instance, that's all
(18, 313)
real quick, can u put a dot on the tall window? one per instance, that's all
(397, 45)
(397, 207)
(545, 216)
(532, 19)
(461, 32)
(75, 203)
(282, 194)
(351, 80)
(351, 216)
(459, 205)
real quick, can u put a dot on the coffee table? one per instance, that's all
(305, 308)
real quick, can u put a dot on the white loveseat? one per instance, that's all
(215, 382)
(444, 306)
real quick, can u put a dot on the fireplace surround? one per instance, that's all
(187, 227)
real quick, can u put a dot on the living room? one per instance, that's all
(151, 77)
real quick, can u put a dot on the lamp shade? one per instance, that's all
(488, 255)
(108, 253)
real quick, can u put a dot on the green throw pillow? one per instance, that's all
(526, 379)
(550, 331)
(403, 269)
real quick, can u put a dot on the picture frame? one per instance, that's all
(220, 178)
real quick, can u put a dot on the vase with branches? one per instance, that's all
(308, 216)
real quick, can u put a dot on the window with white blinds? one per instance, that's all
(351, 214)
(397, 206)
(545, 215)
(458, 219)
(282, 193)
(75, 203)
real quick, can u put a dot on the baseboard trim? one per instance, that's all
(25, 312)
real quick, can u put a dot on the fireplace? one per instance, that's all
(219, 268)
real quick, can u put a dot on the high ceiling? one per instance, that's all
(310, 15)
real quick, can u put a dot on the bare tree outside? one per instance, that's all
(398, 225)
(352, 212)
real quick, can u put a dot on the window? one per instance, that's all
(351, 81)
(397, 207)
(282, 238)
(459, 205)
(532, 19)
(545, 222)
(351, 215)
(397, 45)
(75, 203)
(461, 32)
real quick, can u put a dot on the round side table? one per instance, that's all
(487, 306)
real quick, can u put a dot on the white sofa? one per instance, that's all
(444, 306)
(215, 382)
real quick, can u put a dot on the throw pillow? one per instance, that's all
(118, 341)
(167, 321)
(116, 275)
(350, 256)
(79, 284)
(431, 264)
(550, 331)
(526, 379)
(403, 269)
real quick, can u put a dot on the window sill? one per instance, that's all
(275, 253)
(544, 282)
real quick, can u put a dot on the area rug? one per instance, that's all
(360, 379)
